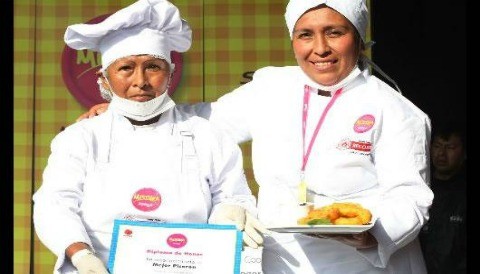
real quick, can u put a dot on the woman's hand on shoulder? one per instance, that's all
(94, 111)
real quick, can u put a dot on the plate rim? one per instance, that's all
(326, 229)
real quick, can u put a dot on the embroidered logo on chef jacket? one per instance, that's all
(146, 199)
(364, 123)
(360, 147)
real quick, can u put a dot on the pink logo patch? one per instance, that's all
(177, 240)
(79, 67)
(364, 123)
(146, 199)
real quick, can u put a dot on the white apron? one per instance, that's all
(147, 173)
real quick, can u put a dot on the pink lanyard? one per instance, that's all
(306, 99)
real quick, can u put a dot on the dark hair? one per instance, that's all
(445, 129)
(362, 65)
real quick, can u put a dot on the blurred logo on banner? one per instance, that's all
(79, 68)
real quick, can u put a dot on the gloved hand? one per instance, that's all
(252, 234)
(87, 263)
(237, 215)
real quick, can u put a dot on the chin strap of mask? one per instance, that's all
(375, 67)
(105, 93)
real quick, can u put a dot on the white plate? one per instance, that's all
(323, 229)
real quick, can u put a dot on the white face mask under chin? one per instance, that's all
(141, 111)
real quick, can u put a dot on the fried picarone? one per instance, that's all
(338, 214)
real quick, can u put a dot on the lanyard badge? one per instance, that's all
(302, 186)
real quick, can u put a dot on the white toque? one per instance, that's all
(152, 27)
(354, 10)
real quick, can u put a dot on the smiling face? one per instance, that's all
(325, 44)
(139, 77)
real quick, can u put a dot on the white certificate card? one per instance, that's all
(153, 248)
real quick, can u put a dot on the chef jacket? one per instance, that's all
(372, 148)
(175, 170)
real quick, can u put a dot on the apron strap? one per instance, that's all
(188, 148)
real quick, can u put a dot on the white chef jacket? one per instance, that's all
(104, 168)
(372, 148)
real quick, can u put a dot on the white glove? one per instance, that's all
(87, 263)
(237, 215)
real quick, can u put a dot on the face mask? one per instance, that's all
(141, 111)
(105, 93)
(138, 111)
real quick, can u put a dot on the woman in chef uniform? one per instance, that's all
(343, 132)
(145, 158)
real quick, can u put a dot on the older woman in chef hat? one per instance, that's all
(146, 158)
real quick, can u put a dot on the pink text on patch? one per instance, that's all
(364, 123)
(146, 199)
(177, 240)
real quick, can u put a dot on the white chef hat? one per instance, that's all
(354, 10)
(151, 27)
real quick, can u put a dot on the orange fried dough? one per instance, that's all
(339, 214)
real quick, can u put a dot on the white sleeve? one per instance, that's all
(57, 201)
(228, 183)
(232, 113)
(236, 112)
(402, 162)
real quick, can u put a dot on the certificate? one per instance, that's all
(153, 248)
